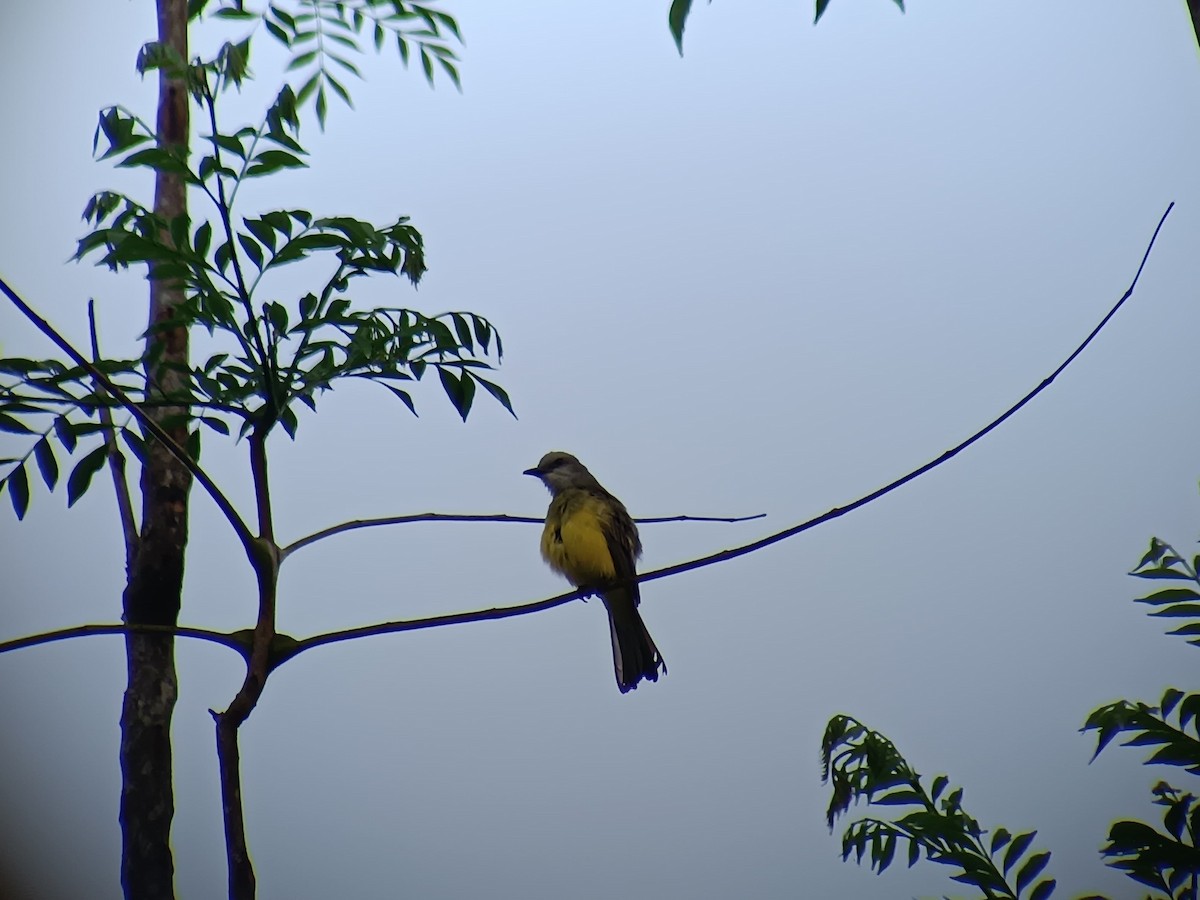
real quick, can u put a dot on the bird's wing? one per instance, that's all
(624, 546)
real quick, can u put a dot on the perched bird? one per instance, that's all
(590, 538)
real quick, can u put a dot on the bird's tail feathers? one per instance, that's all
(635, 656)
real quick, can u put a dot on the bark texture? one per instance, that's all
(155, 575)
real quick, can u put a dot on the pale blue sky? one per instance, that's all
(767, 277)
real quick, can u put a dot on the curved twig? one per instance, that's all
(116, 462)
(223, 503)
(62, 634)
(505, 612)
(285, 552)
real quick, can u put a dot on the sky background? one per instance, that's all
(767, 277)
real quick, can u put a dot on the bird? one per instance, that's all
(590, 538)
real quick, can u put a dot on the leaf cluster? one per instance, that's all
(1181, 604)
(324, 39)
(861, 764)
(53, 405)
(679, 11)
(1167, 860)
(272, 354)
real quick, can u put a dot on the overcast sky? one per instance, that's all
(770, 276)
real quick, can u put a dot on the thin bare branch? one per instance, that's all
(476, 517)
(505, 612)
(231, 514)
(116, 461)
(658, 520)
(63, 634)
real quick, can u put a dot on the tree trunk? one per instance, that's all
(155, 572)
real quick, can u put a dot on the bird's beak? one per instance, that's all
(535, 472)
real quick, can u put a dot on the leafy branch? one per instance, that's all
(712, 559)
(679, 11)
(323, 38)
(861, 764)
(355, 524)
(287, 354)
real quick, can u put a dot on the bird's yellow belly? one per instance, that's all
(573, 544)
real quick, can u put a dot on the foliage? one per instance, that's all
(322, 39)
(269, 356)
(1166, 860)
(861, 764)
(677, 17)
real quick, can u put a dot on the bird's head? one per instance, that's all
(559, 471)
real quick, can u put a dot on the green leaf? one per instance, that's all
(1170, 595)
(66, 436)
(277, 316)
(1164, 572)
(18, 490)
(222, 256)
(1179, 609)
(340, 90)
(822, 5)
(1170, 699)
(252, 249)
(345, 63)
(276, 32)
(1018, 847)
(284, 16)
(459, 388)
(81, 477)
(1043, 890)
(217, 425)
(1032, 868)
(193, 444)
(900, 797)
(450, 23)
(135, 443)
(263, 231)
(202, 240)
(883, 858)
(464, 331)
(232, 143)
(677, 20)
(287, 419)
(404, 398)
(158, 160)
(272, 160)
(47, 464)
(118, 128)
(1157, 549)
(427, 65)
(8, 423)
(499, 393)
(451, 70)
(322, 106)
